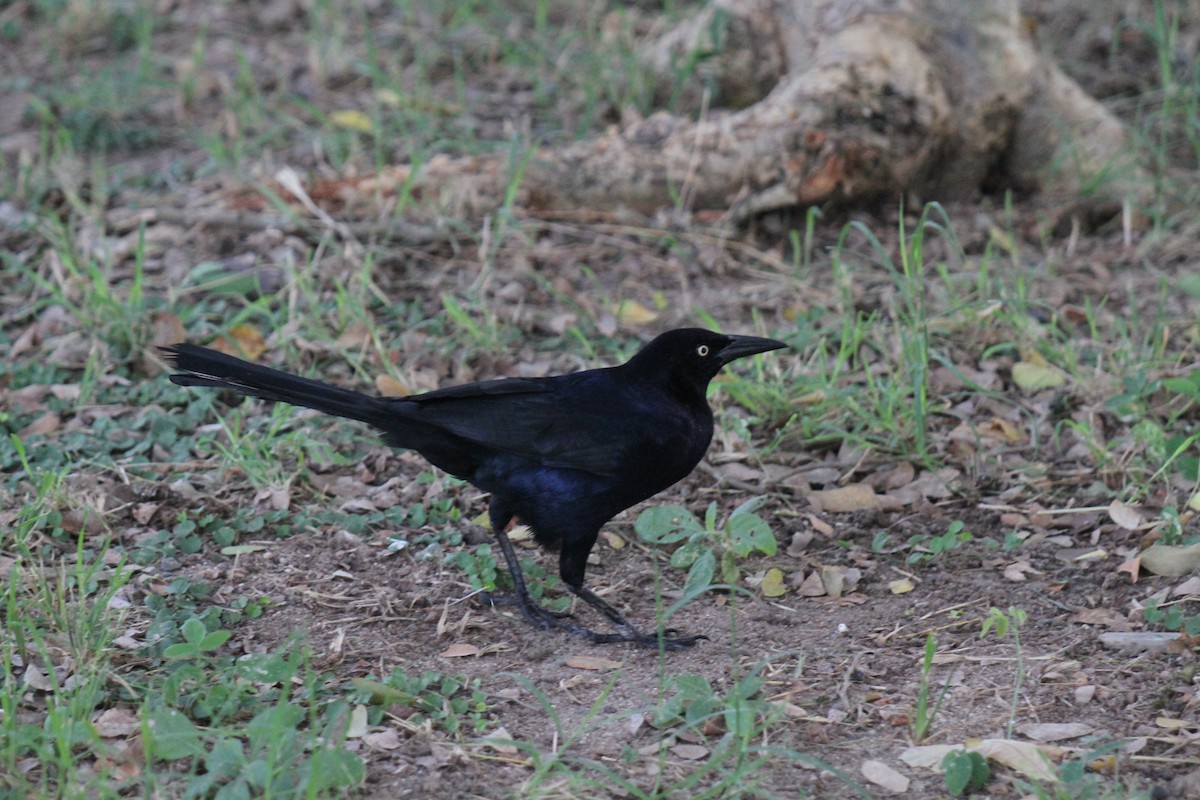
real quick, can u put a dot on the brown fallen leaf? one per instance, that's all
(1132, 566)
(900, 475)
(387, 739)
(501, 741)
(1017, 570)
(1170, 560)
(460, 650)
(1125, 516)
(844, 499)
(1054, 731)
(115, 722)
(388, 386)
(45, 425)
(812, 586)
(596, 663)
(1100, 616)
(631, 312)
(1000, 430)
(819, 525)
(884, 777)
(356, 336)
(690, 752)
(244, 341)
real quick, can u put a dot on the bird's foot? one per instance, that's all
(668, 639)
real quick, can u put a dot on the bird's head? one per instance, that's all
(691, 357)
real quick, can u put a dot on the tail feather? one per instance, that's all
(201, 366)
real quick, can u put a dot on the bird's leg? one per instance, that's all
(533, 613)
(626, 631)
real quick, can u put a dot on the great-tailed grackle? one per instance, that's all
(563, 454)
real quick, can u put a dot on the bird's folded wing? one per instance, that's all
(541, 419)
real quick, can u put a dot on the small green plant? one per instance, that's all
(694, 702)
(965, 771)
(956, 536)
(923, 714)
(708, 546)
(292, 746)
(1003, 622)
(479, 564)
(452, 703)
(197, 640)
(1077, 781)
(1172, 618)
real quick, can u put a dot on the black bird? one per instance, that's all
(563, 454)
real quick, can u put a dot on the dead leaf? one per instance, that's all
(772, 583)
(1189, 587)
(356, 336)
(799, 544)
(1029, 759)
(812, 586)
(67, 392)
(501, 741)
(613, 540)
(1123, 515)
(690, 752)
(737, 471)
(1139, 641)
(884, 777)
(1017, 570)
(834, 580)
(351, 120)
(855, 497)
(116, 722)
(1000, 430)
(388, 386)
(45, 425)
(144, 512)
(1084, 694)
(1030, 377)
(244, 341)
(358, 722)
(901, 586)
(596, 663)
(819, 525)
(278, 497)
(1170, 560)
(1054, 731)
(900, 475)
(460, 650)
(631, 312)
(1171, 723)
(387, 739)
(1100, 616)
(1132, 566)
(166, 329)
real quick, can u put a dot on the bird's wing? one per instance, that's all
(553, 421)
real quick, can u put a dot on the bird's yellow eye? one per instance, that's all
(702, 350)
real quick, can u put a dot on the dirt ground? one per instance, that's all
(844, 671)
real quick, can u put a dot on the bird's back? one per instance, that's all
(593, 422)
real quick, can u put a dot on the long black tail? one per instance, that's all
(201, 366)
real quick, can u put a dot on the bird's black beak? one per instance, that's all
(742, 346)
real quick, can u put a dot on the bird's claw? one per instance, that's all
(651, 640)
